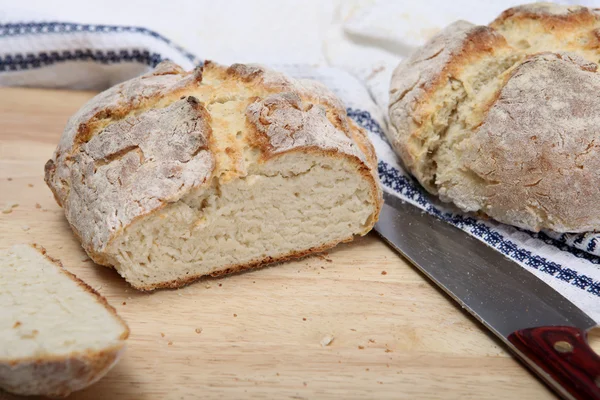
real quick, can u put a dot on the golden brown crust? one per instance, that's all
(551, 17)
(418, 79)
(470, 43)
(479, 42)
(571, 28)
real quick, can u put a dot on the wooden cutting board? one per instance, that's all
(258, 334)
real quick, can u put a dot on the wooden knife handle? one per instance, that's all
(564, 357)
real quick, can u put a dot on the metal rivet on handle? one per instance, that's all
(563, 347)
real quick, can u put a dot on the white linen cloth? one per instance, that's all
(351, 46)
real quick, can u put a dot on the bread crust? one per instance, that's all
(477, 145)
(87, 148)
(59, 376)
(564, 19)
(416, 81)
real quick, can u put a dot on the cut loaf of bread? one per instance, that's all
(505, 119)
(57, 334)
(175, 175)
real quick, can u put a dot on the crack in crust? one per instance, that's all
(282, 122)
(136, 165)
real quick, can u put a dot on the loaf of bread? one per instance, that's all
(175, 175)
(57, 334)
(505, 119)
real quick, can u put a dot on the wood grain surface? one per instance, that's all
(261, 334)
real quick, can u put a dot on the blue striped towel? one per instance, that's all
(83, 56)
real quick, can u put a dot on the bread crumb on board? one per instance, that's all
(8, 207)
(30, 184)
(322, 257)
(38, 205)
(198, 330)
(326, 340)
(383, 272)
(162, 334)
(170, 343)
(361, 347)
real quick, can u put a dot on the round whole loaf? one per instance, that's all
(504, 119)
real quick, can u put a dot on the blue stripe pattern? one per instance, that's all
(19, 62)
(54, 27)
(364, 119)
(393, 179)
(561, 244)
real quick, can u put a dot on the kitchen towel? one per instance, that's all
(361, 46)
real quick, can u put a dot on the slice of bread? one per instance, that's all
(175, 175)
(57, 334)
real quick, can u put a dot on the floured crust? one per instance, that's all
(58, 376)
(449, 116)
(105, 181)
(552, 167)
(158, 156)
(550, 15)
(416, 81)
(167, 80)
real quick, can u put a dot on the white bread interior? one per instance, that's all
(56, 334)
(298, 203)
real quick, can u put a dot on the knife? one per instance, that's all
(543, 329)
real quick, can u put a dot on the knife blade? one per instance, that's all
(543, 329)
